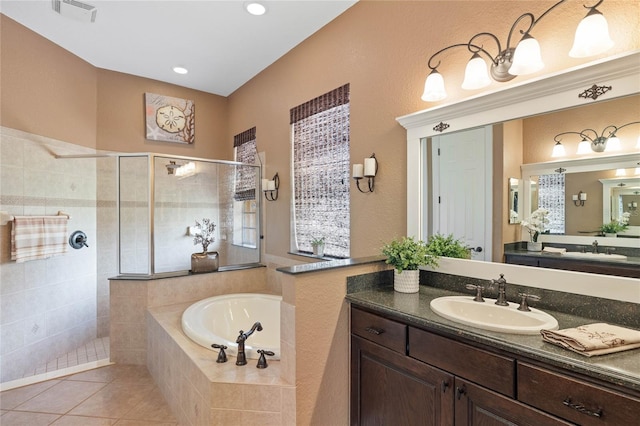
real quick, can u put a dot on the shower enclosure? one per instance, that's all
(160, 198)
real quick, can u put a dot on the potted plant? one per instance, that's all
(612, 228)
(536, 225)
(318, 246)
(207, 261)
(439, 245)
(406, 255)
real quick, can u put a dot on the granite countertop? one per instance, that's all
(622, 368)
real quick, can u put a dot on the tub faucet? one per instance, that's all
(241, 357)
(595, 246)
(502, 290)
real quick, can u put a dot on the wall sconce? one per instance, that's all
(270, 188)
(594, 142)
(367, 170)
(591, 38)
(632, 205)
(579, 199)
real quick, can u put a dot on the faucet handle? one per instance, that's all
(222, 356)
(478, 289)
(527, 297)
(262, 361)
(608, 250)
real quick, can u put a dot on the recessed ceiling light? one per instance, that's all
(180, 70)
(255, 8)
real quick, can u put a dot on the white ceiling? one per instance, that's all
(220, 44)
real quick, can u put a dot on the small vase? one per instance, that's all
(534, 246)
(406, 281)
(204, 262)
(610, 234)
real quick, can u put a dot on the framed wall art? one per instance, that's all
(169, 119)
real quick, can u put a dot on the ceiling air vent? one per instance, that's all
(75, 9)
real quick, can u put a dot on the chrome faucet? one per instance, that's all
(241, 357)
(595, 246)
(502, 290)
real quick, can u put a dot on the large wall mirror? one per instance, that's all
(534, 105)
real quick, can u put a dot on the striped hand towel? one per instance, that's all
(38, 237)
(594, 339)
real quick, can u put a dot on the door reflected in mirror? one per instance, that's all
(515, 207)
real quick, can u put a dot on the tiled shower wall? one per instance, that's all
(48, 307)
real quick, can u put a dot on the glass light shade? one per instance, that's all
(592, 36)
(638, 143)
(527, 58)
(613, 144)
(584, 147)
(637, 171)
(621, 172)
(558, 150)
(434, 87)
(476, 75)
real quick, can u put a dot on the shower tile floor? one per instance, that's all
(120, 395)
(95, 350)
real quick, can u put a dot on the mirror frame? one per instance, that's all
(529, 98)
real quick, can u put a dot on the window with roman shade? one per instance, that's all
(245, 209)
(320, 163)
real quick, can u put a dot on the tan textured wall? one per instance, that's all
(587, 218)
(46, 90)
(381, 48)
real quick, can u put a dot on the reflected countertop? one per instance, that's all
(622, 368)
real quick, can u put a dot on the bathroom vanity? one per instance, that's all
(410, 366)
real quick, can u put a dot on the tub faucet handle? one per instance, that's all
(222, 355)
(262, 361)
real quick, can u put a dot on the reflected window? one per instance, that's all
(245, 229)
(551, 196)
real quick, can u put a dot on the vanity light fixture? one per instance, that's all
(579, 199)
(591, 38)
(367, 170)
(621, 172)
(270, 187)
(558, 150)
(606, 141)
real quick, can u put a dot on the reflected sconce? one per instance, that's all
(270, 187)
(592, 141)
(367, 170)
(591, 38)
(632, 206)
(579, 199)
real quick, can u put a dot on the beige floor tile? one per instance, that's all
(103, 374)
(143, 423)
(114, 400)
(12, 398)
(153, 407)
(83, 421)
(19, 418)
(61, 397)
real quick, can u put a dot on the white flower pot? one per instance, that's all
(406, 281)
(610, 234)
(318, 250)
(534, 246)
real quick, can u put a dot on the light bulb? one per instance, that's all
(527, 58)
(558, 150)
(592, 36)
(476, 75)
(434, 87)
(621, 172)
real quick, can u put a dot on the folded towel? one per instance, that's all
(554, 250)
(594, 339)
(38, 237)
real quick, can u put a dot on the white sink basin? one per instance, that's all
(489, 316)
(594, 256)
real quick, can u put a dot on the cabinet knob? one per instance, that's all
(460, 390)
(444, 385)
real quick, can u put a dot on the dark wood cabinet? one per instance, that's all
(405, 375)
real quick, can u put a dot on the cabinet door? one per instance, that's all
(388, 388)
(478, 406)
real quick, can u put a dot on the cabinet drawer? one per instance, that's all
(383, 331)
(493, 371)
(573, 399)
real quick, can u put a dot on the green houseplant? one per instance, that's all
(406, 254)
(318, 246)
(616, 225)
(439, 245)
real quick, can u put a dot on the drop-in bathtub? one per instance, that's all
(219, 320)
